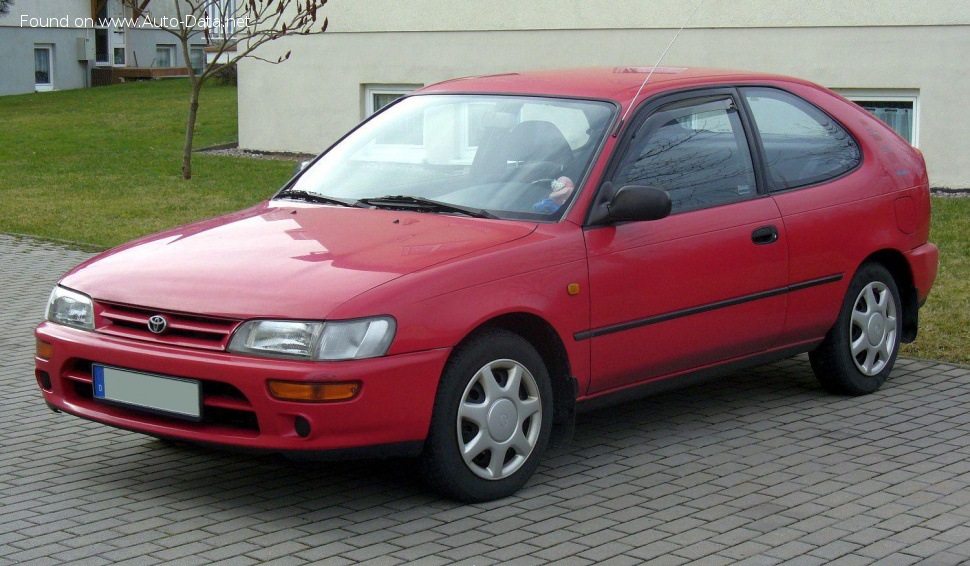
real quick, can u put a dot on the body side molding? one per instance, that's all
(629, 325)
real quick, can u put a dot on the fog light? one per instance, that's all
(302, 427)
(45, 350)
(44, 379)
(313, 392)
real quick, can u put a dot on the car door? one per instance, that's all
(810, 162)
(703, 285)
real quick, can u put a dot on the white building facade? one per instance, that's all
(907, 62)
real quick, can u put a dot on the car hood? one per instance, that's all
(287, 260)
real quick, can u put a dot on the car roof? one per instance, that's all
(611, 83)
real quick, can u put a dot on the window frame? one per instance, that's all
(49, 85)
(225, 12)
(858, 95)
(646, 109)
(172, 54)
(103, 32)
(200, 49)
(756, 136)
(371, 89)
(406, 152)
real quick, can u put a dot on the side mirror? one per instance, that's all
(301, 166)
(635, 203)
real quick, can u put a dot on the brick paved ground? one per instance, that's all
(760, 467)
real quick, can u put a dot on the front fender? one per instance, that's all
(439, 306)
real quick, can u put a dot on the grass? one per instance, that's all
(102, 166)
(944, 330)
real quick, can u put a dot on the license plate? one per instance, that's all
(169, 396)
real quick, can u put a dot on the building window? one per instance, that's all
(44, 68)
(101, 17)
(197, 58)
(120, 56)
(164, 55)
(898, 109)
(101, 47)
(376, 97)
(221, 16)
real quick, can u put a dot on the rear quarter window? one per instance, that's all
(802, 145)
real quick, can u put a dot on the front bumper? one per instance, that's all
(393, 407)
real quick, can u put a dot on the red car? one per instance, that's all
(461, 273)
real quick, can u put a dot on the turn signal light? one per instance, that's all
(45, 350)
(314, 392)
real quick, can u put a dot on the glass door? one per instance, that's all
(43, 68)
(109, 37)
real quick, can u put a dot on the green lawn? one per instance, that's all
(102, 166)
(944, 330)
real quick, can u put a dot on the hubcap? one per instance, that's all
(499, 419)
(872, 329)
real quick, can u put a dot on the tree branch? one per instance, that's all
(266, 21)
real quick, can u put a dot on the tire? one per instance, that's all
(491, 419)
(870, 323)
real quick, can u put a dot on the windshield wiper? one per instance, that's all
(316, 197)
(420, 203)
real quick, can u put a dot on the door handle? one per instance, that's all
(765, 235)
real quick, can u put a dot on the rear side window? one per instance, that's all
(802, 144)
(696, 151)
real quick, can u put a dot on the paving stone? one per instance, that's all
(561, 551)
(759, 467)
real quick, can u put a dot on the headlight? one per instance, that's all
(336, 340)
(70, 308)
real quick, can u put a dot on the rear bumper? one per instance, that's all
(393, 407)
(923, 262)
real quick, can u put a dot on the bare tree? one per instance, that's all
(237, 29)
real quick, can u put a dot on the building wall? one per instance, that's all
(17, 43)
(17, 62)
(46, 9)
(142, 44)
(475, 15)
(308, 102)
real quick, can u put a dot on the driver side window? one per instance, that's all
(696, 151)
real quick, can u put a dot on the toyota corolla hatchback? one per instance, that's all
(465, 270)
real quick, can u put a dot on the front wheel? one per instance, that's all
(860, 350)
(492, 419)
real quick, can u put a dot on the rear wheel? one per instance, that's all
(491, 421)
(860, 350)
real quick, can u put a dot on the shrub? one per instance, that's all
(227, 76)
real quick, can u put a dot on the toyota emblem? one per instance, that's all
(157, 324)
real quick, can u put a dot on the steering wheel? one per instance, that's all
(537, 182)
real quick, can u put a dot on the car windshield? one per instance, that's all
(511, 157)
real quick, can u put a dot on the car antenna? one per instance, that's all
(657, 64)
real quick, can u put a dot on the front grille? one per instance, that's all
(194, 331)
(223, 405)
